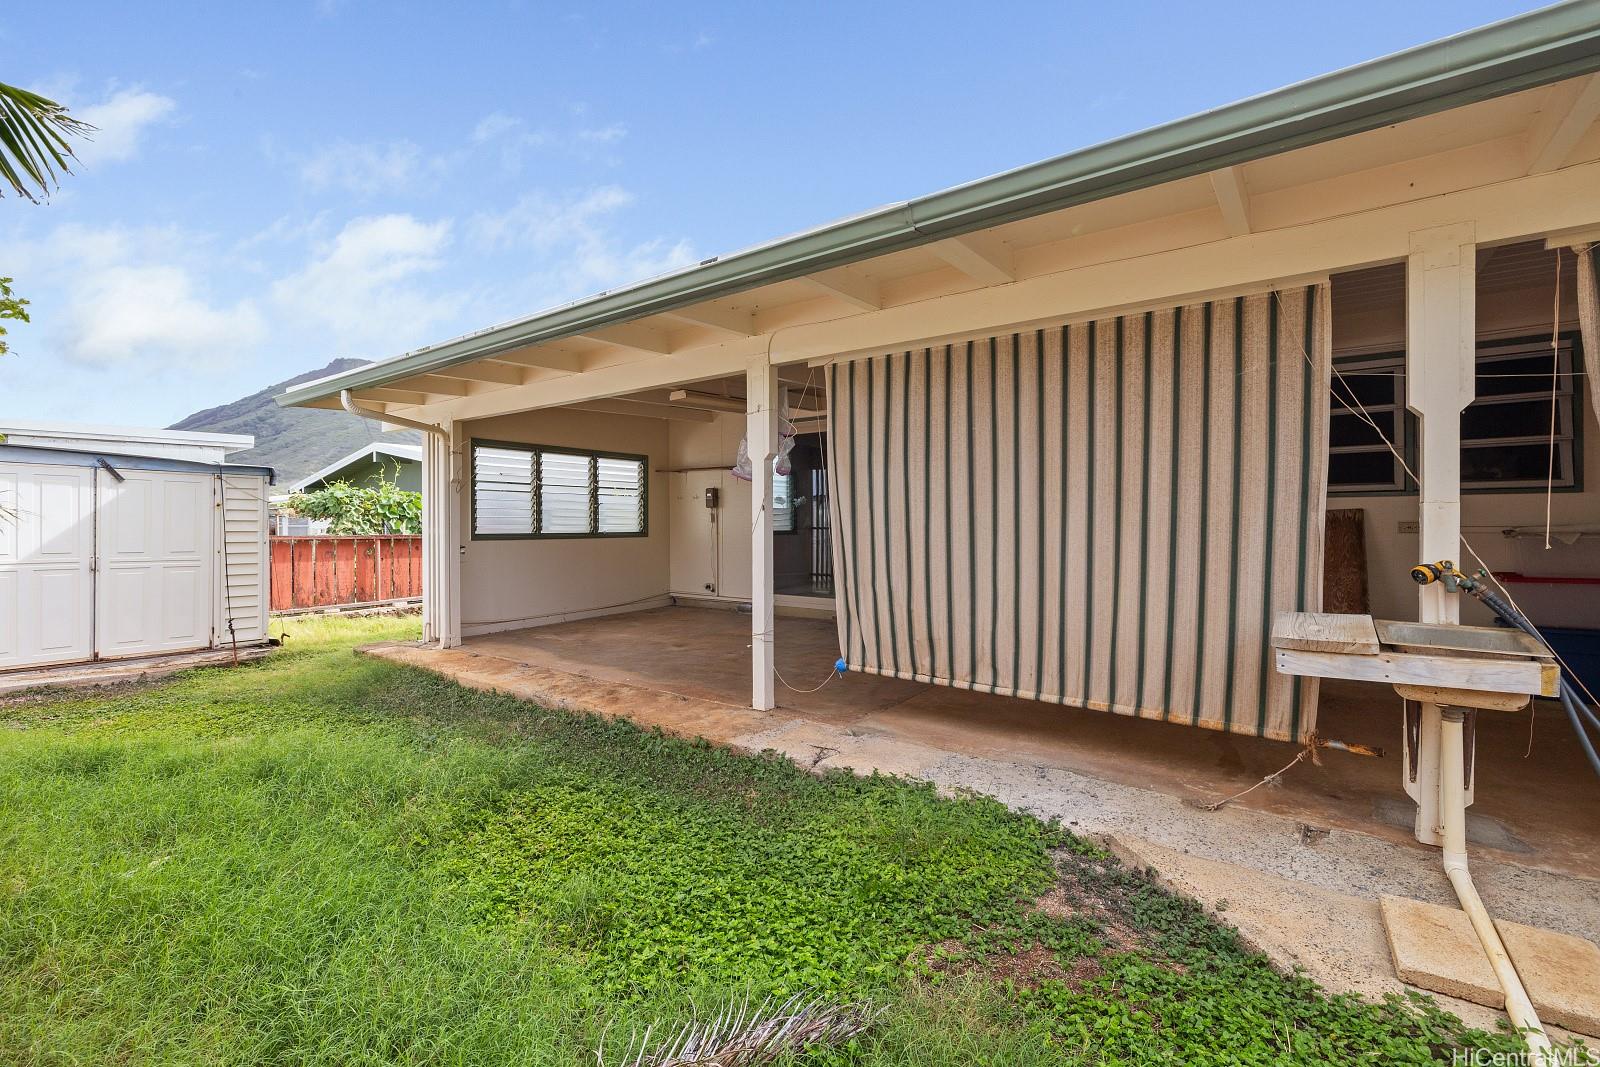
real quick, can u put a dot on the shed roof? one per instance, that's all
(187, 445)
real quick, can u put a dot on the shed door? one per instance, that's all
(46, 545)
(154, 592)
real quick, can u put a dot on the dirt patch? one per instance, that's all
(1026, 968)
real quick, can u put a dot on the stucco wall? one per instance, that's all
(514, 583)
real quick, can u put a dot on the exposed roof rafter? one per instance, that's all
(1554, 138)
(543, 358)
(732, 323)
(485, 371)
(1233, 199)
(635, 335)
(860, 293)
(978, 257)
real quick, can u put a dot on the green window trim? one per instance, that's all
(502, 490)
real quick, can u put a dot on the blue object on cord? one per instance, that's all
(840, 665)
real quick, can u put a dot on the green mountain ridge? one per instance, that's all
(294, 442)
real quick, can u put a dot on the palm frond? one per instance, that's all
(35, 145)
(748, 1035)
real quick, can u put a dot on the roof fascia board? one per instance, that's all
(1543, 46)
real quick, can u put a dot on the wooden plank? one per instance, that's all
(1430, 637)
(1318, 631)
(1451, 672)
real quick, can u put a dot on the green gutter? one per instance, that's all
(1544, 46)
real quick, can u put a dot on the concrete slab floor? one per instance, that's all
(1310, 846)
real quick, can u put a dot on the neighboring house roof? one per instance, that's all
(1530, 50)
(373, 452)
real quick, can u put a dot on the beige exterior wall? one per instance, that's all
(1391, 519)
(710, 547)
(507, 584)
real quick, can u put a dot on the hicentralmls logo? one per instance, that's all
(1572, 1056)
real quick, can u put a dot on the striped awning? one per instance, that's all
(1102, 514)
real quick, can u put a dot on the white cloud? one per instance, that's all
(572, 239)
(122, 119)
(114, 296)
(366, 169)
(121, 314)
(358, 285)
(604, 134)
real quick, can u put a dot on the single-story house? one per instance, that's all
(378, 462)
(381, 461)
(1074, 432)
(118, 542)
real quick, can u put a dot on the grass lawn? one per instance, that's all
(325, 859)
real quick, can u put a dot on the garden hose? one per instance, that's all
(1579, 712)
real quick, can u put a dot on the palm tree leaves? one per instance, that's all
(34, 146)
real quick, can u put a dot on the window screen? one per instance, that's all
(529, 491)
(1523, 391)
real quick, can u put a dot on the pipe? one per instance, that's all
(1453, 806)
(348, 402)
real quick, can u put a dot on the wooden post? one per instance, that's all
(1441, 354)
(761, 418)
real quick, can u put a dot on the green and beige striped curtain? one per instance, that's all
(1103, 514)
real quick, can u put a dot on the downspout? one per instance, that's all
(348, 402)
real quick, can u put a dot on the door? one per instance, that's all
(154, 587)
(46, 554)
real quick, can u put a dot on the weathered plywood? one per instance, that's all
(1455, 672)
(1493, 640)
(1344, 562)
(1318, 631)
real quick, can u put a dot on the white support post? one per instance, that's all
(1441, 345)
(441, 540)
(455, 482)
(761, 437)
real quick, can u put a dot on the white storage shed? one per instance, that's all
(119, 542)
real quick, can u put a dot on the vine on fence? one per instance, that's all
(362, 510)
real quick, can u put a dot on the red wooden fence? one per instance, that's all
(321, 572)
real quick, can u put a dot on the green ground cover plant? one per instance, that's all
(328, 859)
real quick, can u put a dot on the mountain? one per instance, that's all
(294, 442)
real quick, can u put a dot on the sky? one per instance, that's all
(275, 185)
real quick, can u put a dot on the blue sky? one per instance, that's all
(276, 185)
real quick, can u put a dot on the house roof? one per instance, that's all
(404, 453)
(1544, 46)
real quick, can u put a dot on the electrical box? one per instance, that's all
(712, 493)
